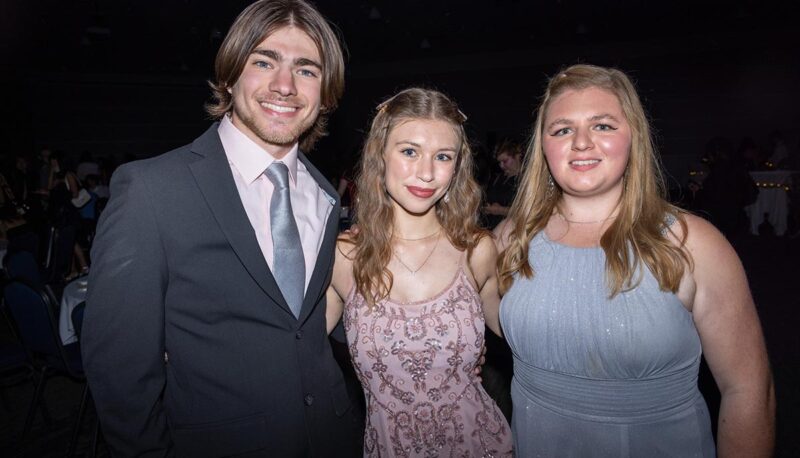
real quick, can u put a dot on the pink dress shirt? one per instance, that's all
(311, 205)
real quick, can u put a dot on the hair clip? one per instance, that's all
(382, 106)
(463, 116)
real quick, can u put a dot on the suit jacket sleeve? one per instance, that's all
(123, 332)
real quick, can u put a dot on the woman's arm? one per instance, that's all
(341, 282)
(72, 182)
(343, 182)
(483, 266)
(733, 344)
(334, 308)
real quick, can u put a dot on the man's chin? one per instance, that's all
(287, 136)
(282, 139)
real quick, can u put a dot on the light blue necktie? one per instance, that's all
(288, 265)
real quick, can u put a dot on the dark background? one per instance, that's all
(128, 77)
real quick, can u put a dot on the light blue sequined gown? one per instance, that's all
(599, 377)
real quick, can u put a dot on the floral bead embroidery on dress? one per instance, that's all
(415, 362)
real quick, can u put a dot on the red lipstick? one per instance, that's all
(420, 192)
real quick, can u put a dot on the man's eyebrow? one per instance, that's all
(276, 56)
(303, 61)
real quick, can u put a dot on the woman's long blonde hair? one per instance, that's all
(457, 212)
(638, 232)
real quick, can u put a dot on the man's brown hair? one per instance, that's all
(254, 25)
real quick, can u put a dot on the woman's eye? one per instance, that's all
(562, 131)
(603, 127)
(408, 152)
(305, 72)
(261, 64)
(444, 157)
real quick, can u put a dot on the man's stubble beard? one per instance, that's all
(274, 136)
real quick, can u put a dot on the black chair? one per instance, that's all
(60, 252)
(24, 238)
(32, 312)
(22, 265)
(14, 368)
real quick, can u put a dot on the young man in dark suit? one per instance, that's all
(204, 332)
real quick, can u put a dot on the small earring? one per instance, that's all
(229, 89)
(550, 184)
(446, 197)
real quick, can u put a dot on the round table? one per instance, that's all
(74, 294)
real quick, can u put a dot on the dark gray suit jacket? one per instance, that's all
(188, 345)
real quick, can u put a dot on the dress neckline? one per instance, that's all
(547, 239)
(436, 296)
(433, 298)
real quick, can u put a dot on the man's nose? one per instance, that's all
(283, 82)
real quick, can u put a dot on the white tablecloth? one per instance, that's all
(772, 199)
(74, 294)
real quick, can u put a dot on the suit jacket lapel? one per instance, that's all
(320, 278)
(215, 180)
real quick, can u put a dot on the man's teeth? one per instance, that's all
(278, 108)
(586, 162)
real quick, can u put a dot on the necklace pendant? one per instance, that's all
(414, 271)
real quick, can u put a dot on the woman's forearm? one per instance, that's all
(746, 426)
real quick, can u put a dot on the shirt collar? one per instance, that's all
(250, 159)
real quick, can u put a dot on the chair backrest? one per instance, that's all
(77, 318)
(60, 253)
(22, 265)
(14, 364)
(33, 315)
(25, 241)
(12, 355)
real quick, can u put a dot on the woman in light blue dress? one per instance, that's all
(612, 295)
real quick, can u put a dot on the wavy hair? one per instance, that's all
(637, 234)
(458, 213)
(253, 25)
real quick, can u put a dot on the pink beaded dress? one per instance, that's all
(415, 362)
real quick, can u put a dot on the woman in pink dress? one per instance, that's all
(417, 286)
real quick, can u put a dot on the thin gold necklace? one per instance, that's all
(418, 239)
(414, 271)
